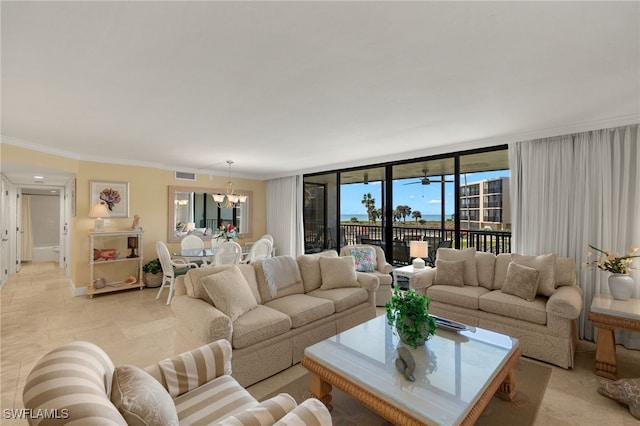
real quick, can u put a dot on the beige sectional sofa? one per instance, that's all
(273, 309)
(533, 298)
(77, 383)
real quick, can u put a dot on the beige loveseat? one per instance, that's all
(381, 269)
(77, 383)
(273, 309)
(533, 298)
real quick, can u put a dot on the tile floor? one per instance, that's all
(38, 314)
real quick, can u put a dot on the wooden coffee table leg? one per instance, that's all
(507, 389)
(321, 390)
(606, 354)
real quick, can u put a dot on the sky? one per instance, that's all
(425, 198)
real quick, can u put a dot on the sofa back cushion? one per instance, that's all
(195, 287)
(468, 255)
(74, 379)
(545, 264)
(500, 274)
(309, 265)
(485, 267)
(565, 271)
(185, 372)
(278, 277)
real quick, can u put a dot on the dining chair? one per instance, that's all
(170, 269)
(261, 249)
(227, 253)
(193, 242)
(267, 237)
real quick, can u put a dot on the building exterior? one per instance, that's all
(486, 204)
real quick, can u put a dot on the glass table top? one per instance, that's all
(452, 369)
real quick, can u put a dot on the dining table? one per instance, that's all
(205, 255)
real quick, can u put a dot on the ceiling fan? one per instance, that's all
(426, 181)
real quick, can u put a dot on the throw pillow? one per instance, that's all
(230, 292)
(543, 263)
(338, 272)
(141, 399)
(309, 265)
(449, 272)
(521, 281)
(364, 259)
(468, 255)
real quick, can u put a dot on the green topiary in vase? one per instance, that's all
(408, 313)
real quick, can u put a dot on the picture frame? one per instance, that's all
(114, 194)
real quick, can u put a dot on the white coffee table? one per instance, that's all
(456, 374)
(406, 271)
(607, 314)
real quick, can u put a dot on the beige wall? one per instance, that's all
(148, 193)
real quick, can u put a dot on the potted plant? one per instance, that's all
(408, 313)
(152, 273)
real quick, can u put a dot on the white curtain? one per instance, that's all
(284, 214)
(27, 230)
(572, 191)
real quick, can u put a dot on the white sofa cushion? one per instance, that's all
(230, 292)
(449, 272)
(343, 298)
(545, 264)
(309, 265)
(278, 277)
(466, 297)
(302, 309)
(338, 272)
(521, 281)
(468, 255)
(258, 325)
(141, 399)
(485, 267)
(510, 306)
(266, 413)
(195, 288)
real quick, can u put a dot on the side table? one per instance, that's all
(406, 271)
(607, 314)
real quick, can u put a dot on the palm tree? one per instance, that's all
(370, 203)
(416, 214)
(403, 211)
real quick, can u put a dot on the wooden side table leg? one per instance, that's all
(606, 354)
(507, 389)
(321, 390)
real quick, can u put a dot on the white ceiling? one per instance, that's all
(288, 87)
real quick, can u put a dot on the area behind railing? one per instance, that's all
(488, 241)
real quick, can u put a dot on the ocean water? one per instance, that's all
(365, 218)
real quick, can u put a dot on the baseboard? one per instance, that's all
(77, 291)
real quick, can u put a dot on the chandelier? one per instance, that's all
(229, 200)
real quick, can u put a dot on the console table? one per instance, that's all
(607, 314)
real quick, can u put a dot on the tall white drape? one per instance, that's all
(571, 191)
(27, 230)
(284, 214)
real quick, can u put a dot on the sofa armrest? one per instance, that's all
(265, 413)
(185, 372)
(205, 322)
(385, 268)
(566, 302)
(422, 280)
(368, 281)
(310, 412)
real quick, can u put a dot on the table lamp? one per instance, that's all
(99, 211)
(418, 250)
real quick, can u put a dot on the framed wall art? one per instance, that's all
(114, 194)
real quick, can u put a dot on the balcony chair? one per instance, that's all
(170, 269)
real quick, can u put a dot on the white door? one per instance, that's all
(67, 217)
(18, 235)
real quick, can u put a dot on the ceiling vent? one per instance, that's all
(185, 176)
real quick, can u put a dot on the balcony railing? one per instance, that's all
(488, 241)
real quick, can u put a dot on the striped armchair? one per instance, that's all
(77, 382)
